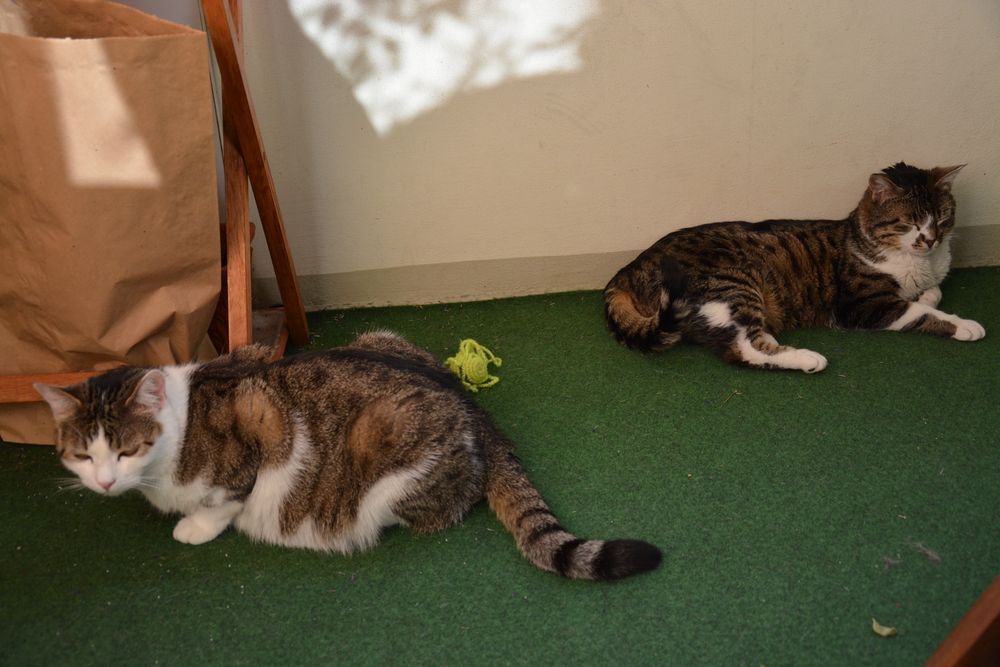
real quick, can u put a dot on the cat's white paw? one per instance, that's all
(190, 530)
(968, 330)
(809, 361)
(931, 297)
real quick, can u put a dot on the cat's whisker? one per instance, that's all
(64, 484)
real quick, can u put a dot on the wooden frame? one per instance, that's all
(976, 638)
(237, 233)
(243, 158)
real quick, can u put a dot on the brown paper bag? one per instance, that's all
(109, 227)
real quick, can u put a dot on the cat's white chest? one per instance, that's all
(915, 273)
(162, 490)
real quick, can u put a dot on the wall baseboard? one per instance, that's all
(520, 276)
(976, 246)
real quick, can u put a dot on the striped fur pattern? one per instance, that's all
(320, 450)
(733, 286)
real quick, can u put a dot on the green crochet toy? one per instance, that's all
(471, 365)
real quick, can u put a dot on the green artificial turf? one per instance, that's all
(776, 496)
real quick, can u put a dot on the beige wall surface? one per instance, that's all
(427, 151)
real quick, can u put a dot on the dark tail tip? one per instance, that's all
(623, 558)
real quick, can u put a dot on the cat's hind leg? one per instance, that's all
(637, 304)
(759, 348)
(739, 335)
(455, 482)
(447, 492)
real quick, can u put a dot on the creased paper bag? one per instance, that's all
(109, 236)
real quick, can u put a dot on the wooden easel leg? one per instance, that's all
(236, 99)
(238, 289)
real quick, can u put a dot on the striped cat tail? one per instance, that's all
(637, 303)
(541, 538)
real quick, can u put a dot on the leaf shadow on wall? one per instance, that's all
(427, 121)
(404, 59)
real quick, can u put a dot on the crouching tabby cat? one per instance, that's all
(319, 450)
(732, 285)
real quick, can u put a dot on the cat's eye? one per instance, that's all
(82, 457)
(124, 454)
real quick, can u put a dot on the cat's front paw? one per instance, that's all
(190, 530)
(968, 330)
(809, 362)
(930, 297)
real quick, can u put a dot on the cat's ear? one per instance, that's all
(63, 403)
(150, 394)
(943, 176)
(882, 188)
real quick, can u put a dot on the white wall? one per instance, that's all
(495, 151)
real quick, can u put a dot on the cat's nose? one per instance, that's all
(106, 485)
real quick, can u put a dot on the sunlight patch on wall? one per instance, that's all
(406, 57)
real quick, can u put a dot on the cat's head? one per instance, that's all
(107, 426)
(909, 209)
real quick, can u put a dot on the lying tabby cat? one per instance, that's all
(732, 285)
(318, 450)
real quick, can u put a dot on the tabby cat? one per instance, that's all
(319, 450)
(732, 286)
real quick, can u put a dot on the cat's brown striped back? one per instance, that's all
(733, 286)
